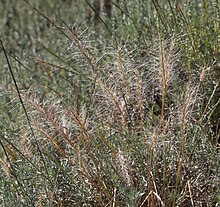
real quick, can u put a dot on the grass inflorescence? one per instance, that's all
(121, 113)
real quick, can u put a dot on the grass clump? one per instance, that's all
(127, 124)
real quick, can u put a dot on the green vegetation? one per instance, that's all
(109, 111)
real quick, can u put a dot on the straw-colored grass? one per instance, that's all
(122, 125)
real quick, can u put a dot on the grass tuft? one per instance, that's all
(121, 118)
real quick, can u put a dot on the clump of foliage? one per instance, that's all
(124, 116)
